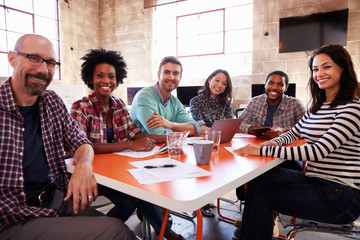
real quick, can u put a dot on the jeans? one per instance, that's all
(290, 192)
(125, 205)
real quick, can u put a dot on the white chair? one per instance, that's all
(301, 225)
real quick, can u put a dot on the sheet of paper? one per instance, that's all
(138, 154)
(154, 175)
(240, 135)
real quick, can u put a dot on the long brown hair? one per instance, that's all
(226, 96)
(349, 87)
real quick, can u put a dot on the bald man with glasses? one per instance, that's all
(37, 198)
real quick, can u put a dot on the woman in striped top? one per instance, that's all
(329, 190)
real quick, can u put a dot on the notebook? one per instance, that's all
(228, 128)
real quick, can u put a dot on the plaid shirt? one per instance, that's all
(289, 112)
(91, 117)
(60, 133)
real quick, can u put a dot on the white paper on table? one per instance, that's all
(138, 154)
(240, 135)
(154, 175)
(232, 149)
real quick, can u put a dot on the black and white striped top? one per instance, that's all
(332, 146)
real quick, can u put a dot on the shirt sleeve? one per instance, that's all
(229, 114)
(182, 116)
(344, 127)
(247, 118)
(144, 106)
(77, 113)
(299, 110)
(195, 108)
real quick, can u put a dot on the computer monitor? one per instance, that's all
(131, 91)
(257, 89)
(185, 94)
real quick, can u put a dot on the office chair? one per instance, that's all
(301, 225)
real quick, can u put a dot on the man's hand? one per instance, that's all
(249, 149)
(275, 132)
(143, 144)
(155, 121)
(82, 185)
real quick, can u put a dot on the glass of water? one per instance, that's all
(174, 141)
(215, 136)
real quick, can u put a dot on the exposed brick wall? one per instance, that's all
(266, 56)
(126, 26)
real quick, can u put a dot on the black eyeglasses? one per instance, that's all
(37, 61)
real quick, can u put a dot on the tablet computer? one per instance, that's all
(258, 131)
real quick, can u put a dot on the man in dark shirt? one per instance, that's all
(37, 200)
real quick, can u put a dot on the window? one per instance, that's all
(206, 35)
(18, 17)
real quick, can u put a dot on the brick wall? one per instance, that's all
(126, 26)
(266, 56)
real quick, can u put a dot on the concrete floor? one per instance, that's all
(215, 229)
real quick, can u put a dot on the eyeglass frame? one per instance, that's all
(48, 62)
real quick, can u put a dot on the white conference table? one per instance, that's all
(229, 171)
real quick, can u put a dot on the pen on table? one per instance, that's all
(161, 166)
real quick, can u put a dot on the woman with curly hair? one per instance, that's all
(107, 123)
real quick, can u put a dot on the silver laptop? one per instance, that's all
(228, 128)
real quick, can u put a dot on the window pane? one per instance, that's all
(2, 18)
(239, 17)
(19, 22)
(46, 27)
(211, 22)
(3, 45)
(238, 41)
(4, 65)
(24, 5)
(211, 43)
(45, 8)
(188, 26)
(12, 38)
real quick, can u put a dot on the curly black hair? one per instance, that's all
(100, 56)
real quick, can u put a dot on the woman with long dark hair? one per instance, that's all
(329, 190)
(214, 100)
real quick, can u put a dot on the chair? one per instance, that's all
(301, 225)
(238, 111)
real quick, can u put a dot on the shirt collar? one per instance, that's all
(7, 100)
(96, 103)
(159, 95)
(281, 104)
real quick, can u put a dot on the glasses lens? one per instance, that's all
(34, 59)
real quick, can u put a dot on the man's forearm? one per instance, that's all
(181, 127)
(84, 154)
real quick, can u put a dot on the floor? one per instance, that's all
(215, 229)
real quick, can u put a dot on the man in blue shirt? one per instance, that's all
(155, 110)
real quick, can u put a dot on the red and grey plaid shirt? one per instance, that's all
(289, 112)
(91, 117)
(60, 133)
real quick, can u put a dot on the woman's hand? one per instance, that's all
(268, 143)
(249, 149)
(143, 144)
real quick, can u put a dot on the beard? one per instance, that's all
(36, 89)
